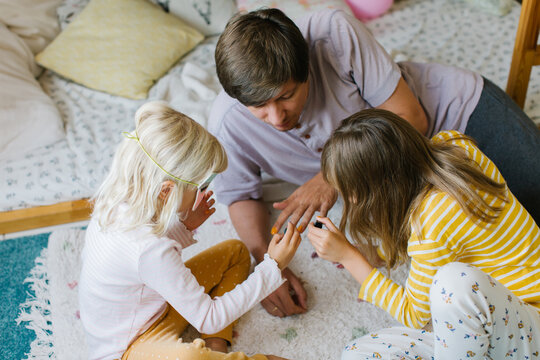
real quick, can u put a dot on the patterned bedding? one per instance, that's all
(445, 31)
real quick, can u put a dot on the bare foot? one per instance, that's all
(273, 357)
(217, 344)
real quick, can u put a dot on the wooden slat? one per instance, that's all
(42, 216)
(524, 55)
(537, 56)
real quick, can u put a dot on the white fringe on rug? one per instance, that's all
(36, 311)
(51, 310)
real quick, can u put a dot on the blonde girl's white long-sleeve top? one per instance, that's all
(127, 279)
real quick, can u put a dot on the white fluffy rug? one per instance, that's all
(335, 315)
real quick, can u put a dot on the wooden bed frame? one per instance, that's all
(526, 54)
(42, 216)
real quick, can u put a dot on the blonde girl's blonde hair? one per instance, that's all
(179, 145)
(383, 168)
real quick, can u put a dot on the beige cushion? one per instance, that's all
(119, 46)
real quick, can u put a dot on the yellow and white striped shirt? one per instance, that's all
(508, 250)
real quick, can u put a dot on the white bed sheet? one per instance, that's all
(445, 31)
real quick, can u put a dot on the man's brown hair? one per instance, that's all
(257, 53)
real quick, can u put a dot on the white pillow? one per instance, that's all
(35, 22)
(294, 8)
(28, 117)
(208, 17)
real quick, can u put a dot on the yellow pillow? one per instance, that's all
(119, 46)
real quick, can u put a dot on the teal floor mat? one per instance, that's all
(16, 260)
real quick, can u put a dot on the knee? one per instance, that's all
(451, 273)
(453, 283)
(239, 246)
(235, 245)
(239, 249)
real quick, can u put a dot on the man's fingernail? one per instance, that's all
(300, 228)
(273, 231)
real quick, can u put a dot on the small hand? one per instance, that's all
(333, 246)
(283, 247)
(314, 195)
(205, 209)
(329, 244)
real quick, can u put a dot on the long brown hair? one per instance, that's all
(383, 168)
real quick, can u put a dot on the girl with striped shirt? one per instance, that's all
(474, 249)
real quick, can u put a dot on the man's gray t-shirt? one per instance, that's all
(349, 71)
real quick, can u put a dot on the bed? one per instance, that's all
(50, 184)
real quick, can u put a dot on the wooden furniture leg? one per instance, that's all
(526, 51)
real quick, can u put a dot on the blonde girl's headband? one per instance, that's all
(136, 137)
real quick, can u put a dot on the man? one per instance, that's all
(286, 88)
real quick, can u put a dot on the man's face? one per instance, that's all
(283, 110)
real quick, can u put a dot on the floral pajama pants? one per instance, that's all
(473, 317)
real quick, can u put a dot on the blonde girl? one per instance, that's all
(136, 293)
(474, 249)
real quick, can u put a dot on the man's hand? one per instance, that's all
(314, 195)
(289, 299)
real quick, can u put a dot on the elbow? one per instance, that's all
(210, 328)
(417, 118)
(211, 325)
(421, 121)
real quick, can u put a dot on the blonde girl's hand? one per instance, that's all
(283, 247)
(330, 244)
(205, 209)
